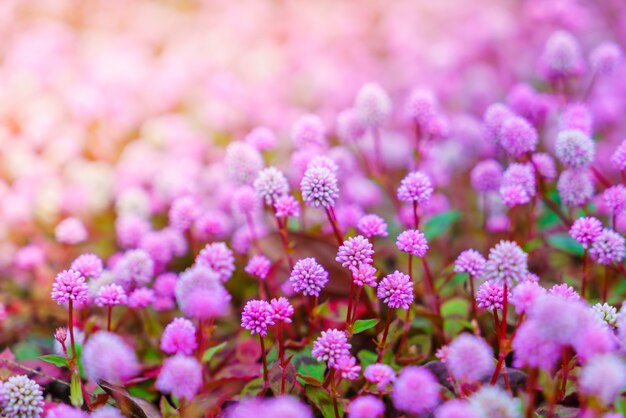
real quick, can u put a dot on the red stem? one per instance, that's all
(585, 268)
(71, 327)
(416, 217)
(333, 222)
(431, 286)
(384, 340)
(281, 356)
(264, 359)
(109, 311)
(605, 285)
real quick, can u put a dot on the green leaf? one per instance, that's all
(58, 361)
(253, 387)
(209, 353)
(366, 358)
(76, 394)
(565, 243)
(437, 225)
(143, 393)
(322, 400)
(361, 325)
(456, 307)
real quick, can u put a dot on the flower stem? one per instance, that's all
(381, 349)
(281, 356)
(71, 328)
(333, 222)
(605, 285)
(266, 382)
(473, 298)
(416, 217)
(431, 286)
(109, 312)
(350, 297)
(583, 288)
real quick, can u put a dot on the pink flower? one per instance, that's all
(181, 376)
(574, 149)
(412, 241)
(319, 187)
(367, 406)
(282, 310)
(88, 265)
(111, 295)
(257, 316)
(607, 248)
(308, 277)
(183, 213)
(107, 357)
(218, 257)
(308, 131)
(469, 358)
(355, 251)
(259, 266)
(68, 286)
(586, 230)
(524, 294)
(396, 290)
(486, 176)
(471, 262)
(507, 263)
(364, 274)
(287, 206)
(415, 391)
(372, 226)
(415, 187)
(564, 291)
(179, 337)
(373, 105)
(331, 346)
(348, 367)
(141, 298)
(518, 137)
(270, 185)
(200, 293)
(490, 296)
(261, 138)
(381, 374)
(70, 231)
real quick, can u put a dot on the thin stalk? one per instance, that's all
(530, 393)
(381, 349)
(357, 300)
(333, 222)
(583, 288)
(71, 327)
(431, 286)
(350, 297)
(109, 314)
(416, 218)
(284, 238)
(473, 298)
(405, 331)
(605, 285)
(281, 356)
(266, 382)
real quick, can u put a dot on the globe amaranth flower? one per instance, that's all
(493, 121)
(380, 374)
(544, 165)
(366, 406)
(415, 187)
(257, 315)
(135, 267)
(521, 175)
(348, 368)
(486, 176)
(412, 241)
(396, 290)
(364, 274)
(606, 313)
(456, 408)
(524, 294)
(607, 248)
(372, 226)
(130, 229)
(493, 402)
(308, 131)
(421, 107)
(514, 195)
(415, 391)
(577, 117)
(574, 148)
(282, 310)
(615, 199)
(106, 412)
(70, 231)
(605, 57)
(218, 257)
(308, 277)
(183, 213)
(469, 358)
(618, 158)
(181, 376)
(603, 377)
(270, 185)
(111, 295)
(258, 266)
(507, 263)
(179, 337)
(200, 293)
(323, 161)
(575, 187)
(518, 137)
(561, 56)
(586, 230)
(330, 346)
(490, 296)
(243, 162)
(355, 251)
(319, 187)
(69, 285)
(261, 138)
(471, 262)
(106, 357)
(20, 397)
(287, 206)
(245, 201)
(373, 105)
(565, 291)
(88, 265)
(141, 297)
(350, 126)
(65, 411)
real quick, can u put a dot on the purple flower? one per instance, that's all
(471, 262)
(68, 286)
(524, 294)
(396, 290)
(259, 266)
(561, 56)
(245, 200)
(456, 408)
(308, 131)
(605, 57)
(575, 187)
(331, 346)
(490, 296)
(355, 251)
(111, 295)
(507, 263)
(607, 248)
(270, 185)
(586, 230)
(348, 367)
(564, 291)
(544, 164)
(179, 337)
(619, 157)
(366, 406)
(577, 116)
(135, 266)
(364, 274)
(212, 225)
(283, 406)
(282, 310)
(21, 397)
(415, 391)
(350, 126)
(243, 162)
(257, 316)
(88, 265)
(261, 138)
(469, 358)
(491, 401)
(141, 298)
(532, 350)
(518, 137)
(522, 175)
(412, 241)
(372, 226)
(65, 411)
(319, 187)
(493, 120)
(200, 293)
(514, 195)
(415, 187)
(421, 106)
(30, 257)
(218, 257)
(181, 376)
(381, 374)
(106, 412)
(183, 213)
(373, 105)
(574, 149)
(130, 229)
(107, 357)
(287, 206)
(615, 199)
(486, 176)
(70, 231)
(308, 277)
(604, 377)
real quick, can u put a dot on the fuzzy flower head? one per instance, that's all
(257, 316)
(308, 131)
(183, 213)
(270, 185)
(200, 293)
(574, 148)
(373, 105)
(606, 313)
(493, 402)
(524, 294)
(561, 56)
(456, 408)
(415, 391)
(282, 310)
(518, 137)
(70, 231)
(544, 164)
(605, 58)
(603, 377)
(471, 262)
(69, 285)
(586, 230)
(507, 263)
(521, 175)
(396, 290)
(179, 337)
(218, 257)
(355, 251)
(413, 242)
(245, 200)
(607, 248)
(65, 411)
(283, 406)
(493, 120)
(106, 412)
(287, 206)
(348, 368)
(367, 406)
(259, 266)
(107, 357)
(319, 187)
(372, 226)
(615, 199)
(350, 126)
(261, 138)
(330, 346)
(243, 162)
(364, 274)
(469, 358)
(20, 397)
(380, 374)
(130, 229)
(486, 176)
(308, 277)
(88, 265)
(577, 117)
(135, 266)
(564, 291)
(514, 195)
(575, 187)
(532, 349)
(415, 187)
(141, 297)
(111, 295)
(181, 376)
(490, 296)
(618, 159)
(421, 107)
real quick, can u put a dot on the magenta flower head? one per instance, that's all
(524, 294)
(282, 310)
(261, 138)
(106, 412)
(258, 266)
(565, 291)
(373, 105)
(615, 199)
(200, 293)
(415, 187)
(367, 406)
(141, 297)
(270, 185)
(531, 349)
(135, 266)
(507, 263)
(111, 295)
(493, 121)
(380, 374)
(308, 131)
(308, 277)
(287, 206)
(471, 262)
(605, 58)
(522, 175)
(65, 411)
(283, 406)
(243, 162)
(372, 226)
(183, 213)
(88, 265)
(574, 149)
(585, 230)
(218, 257)
(561, 56)
(421, 106)
(608, 247)
(456, 408)
(544, 164)
(70, 231)
(575, 187)
(319, 187)
(412, 241)
(21, 397)
(577, 117)
(603, 377)
(416, 390)
(347, 367)
(490, 296)
(396, 290)
(364, 274)
(618, 159)
(245, 200)
(179, 337)
(355, 251)
(130, 229)
(518, 137)
(107, 357)
(350, 126)
(29, 257)
(69, 285)
(257, 316)
(486, 176)
(181, 376)
(491, 401)
(469, 358)
(514, 195)
(330, 346)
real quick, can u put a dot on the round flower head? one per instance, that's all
(518, 137)
(282, 310)
(522, 175)
(257, 316)
(68, 286)
(506, 264)
(323, 161)
(200, 294)
(308, 131)
(585, 230)
(271, 184)
(20, 397)
(308, 277)
(471, 262)
(355, 251)
(605, 57)
(364, 274)
(603, 377)
(396, 290)
(574, 148)
(183, 213)
(259, 266)
(141, 298)
(212, 225)
(218, 257)
(415, 187)
(456, 408)
(490, 296)
(577, 117)
(531, 349)
(514, 195)
(372, 226)
(544, 164)
(373, 105)
(319, 187)
(243, 162)
(565, 291)
(575, 187)
(261, 138)
(130, 229)
(412, 241)
(88, 265)
(347, 367)
(469, 358)
(107, 357)
(135, 266)
(65, 411)
(29, 257)
(615, 199)
(493, 121)
(179, 337)
(618, 159)
(421, 106)
(287, 206)
(330, 346)
(181, 376)
(367, 406)
(245, 200)
(607, 248)
(486, 176)
(606, 313)
(493, 402)
(111, 295)
(381, 374)
(350, 126)
(524, 294)
(561, 56)
(165, 284)
(284, 406)
(415, 391)
(106, 412)
(70, 231)
(524, 100)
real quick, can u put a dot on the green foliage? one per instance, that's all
(209, 353)
(322, 401)
(440, 223)
(58, 361)
(76, 394)
(361, 325)
(456, 307)
(565, 243)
